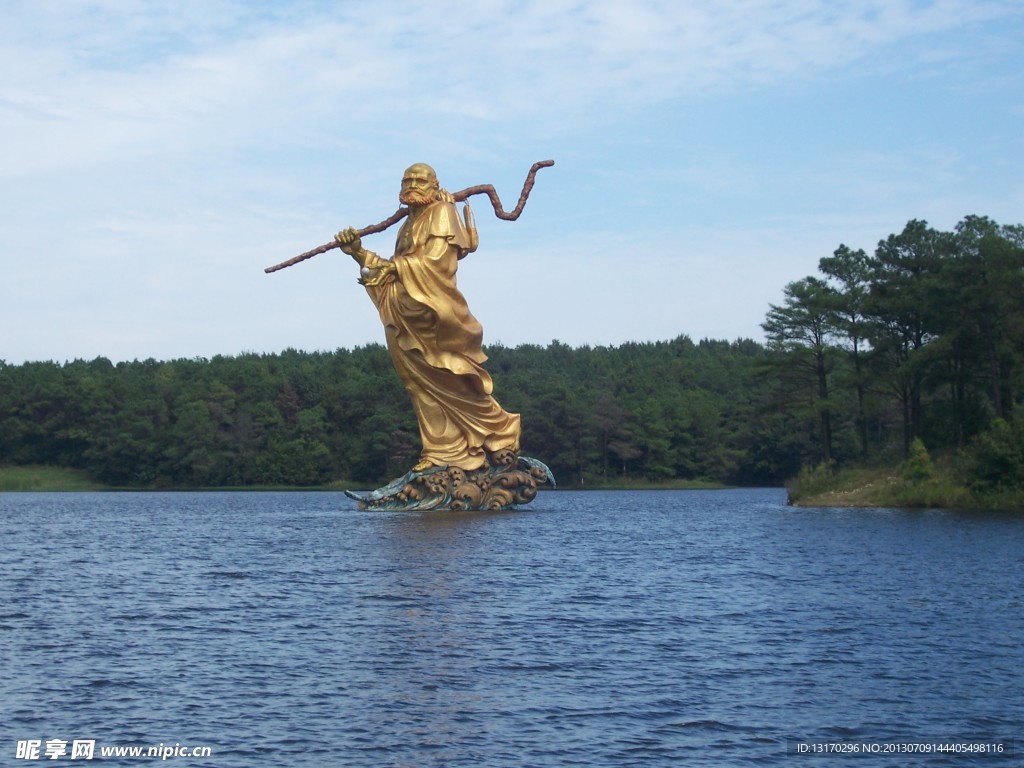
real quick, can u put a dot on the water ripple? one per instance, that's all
(611, 629)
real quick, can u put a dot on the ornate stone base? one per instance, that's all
(502, 486)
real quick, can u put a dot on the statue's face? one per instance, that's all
(419, 185)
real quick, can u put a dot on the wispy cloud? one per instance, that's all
(157, 155)
(88, 81)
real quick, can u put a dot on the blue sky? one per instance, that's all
(159, 155)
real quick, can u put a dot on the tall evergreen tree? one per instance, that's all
(799, 330)
(851, 270)
(905, 314)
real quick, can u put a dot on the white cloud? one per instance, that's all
(100, 80)
(159, 155)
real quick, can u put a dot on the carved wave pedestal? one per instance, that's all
(507, 482)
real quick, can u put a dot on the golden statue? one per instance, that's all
(434, 340)
(470, 456)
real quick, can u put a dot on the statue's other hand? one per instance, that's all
(349, 241)
(379, 274)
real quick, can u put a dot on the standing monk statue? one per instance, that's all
(434, 340)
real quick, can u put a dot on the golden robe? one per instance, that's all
(435, 343)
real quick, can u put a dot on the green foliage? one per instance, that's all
(811, 481)
(938, 490)
(918, 466)
(995, 461)
(675, 413)
(880, 487)
(922, 342)
(45, 479)
(799, 332)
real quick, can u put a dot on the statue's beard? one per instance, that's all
(416, 198)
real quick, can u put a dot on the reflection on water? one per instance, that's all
(599, 628)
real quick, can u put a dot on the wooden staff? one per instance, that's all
(401, 213)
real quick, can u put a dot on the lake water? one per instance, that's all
(691, 628)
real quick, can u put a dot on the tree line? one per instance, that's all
(651, 411)
(921, 341)
(919, 344)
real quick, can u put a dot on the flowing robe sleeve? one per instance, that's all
(424, 307)
(436, 344)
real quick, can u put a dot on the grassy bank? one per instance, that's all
(46, 479)
(62, 479)
(894, 487)
(935, 485)
(38, 478)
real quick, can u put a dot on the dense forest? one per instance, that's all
(639, 411)
(921, 343)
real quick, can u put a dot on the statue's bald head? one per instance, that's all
(419, 185)
(420, 169)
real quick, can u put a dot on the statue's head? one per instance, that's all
(419, 185)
